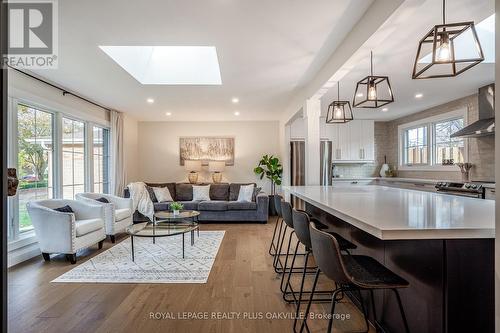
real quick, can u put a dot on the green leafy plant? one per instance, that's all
(271, 168)
(176, 206)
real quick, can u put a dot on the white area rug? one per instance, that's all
(154, 263)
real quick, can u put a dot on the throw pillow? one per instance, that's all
(256, 192)
(152, 195)
(102, 199)
(201, 193)
(162, 194)
(246, 193)
(64, 209)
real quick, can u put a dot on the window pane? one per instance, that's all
(415, 146)
(445, 146)
(101, 158)
(73, 157)
(35, 159)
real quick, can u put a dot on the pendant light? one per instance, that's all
(373, 91)
(438, 56)
(339, 112)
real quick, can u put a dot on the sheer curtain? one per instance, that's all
(117, 167)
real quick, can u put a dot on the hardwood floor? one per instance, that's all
(242, 281)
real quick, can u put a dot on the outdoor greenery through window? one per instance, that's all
(430, 143)
(445, 146)
(73, 157)
(415, 146)
(34, 160)
(100, 140)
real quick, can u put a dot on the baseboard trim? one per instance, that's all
(22, 254)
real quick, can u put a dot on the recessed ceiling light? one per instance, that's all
(174, 65)
(235, 100)
(168, 114)
(150, 100)
(419, 95)
(385, 109)
(236, 113)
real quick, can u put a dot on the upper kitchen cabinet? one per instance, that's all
(353, 142)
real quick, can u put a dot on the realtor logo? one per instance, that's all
(32, 34)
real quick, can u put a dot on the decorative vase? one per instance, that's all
(193, 177)
(383, 170)
(217, 177)
(176, 212)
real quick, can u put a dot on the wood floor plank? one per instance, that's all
(242, 283)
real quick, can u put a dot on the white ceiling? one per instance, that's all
(394, 46)
(266, 49)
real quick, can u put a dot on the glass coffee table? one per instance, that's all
(166, 224)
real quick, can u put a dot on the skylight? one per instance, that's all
(169, 65)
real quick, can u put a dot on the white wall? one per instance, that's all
(159, 148)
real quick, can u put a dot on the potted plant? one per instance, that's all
(271, 168)
(176, 207)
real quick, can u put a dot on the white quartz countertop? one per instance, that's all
(403, 180)
(392, 213)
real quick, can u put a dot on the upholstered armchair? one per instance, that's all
(61, 232)
(117, 213)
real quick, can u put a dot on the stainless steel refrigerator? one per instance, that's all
(325, 168)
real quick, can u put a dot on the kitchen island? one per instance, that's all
(442, 244)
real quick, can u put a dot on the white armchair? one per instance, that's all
(59, 232)
(117, 213)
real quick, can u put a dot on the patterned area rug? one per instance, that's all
(154, 263)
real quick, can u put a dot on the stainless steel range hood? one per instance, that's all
(486, 123)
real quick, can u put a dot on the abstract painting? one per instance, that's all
(206, 149)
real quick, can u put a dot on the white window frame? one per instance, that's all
(429, 123)
(91, 152)
(17, 239)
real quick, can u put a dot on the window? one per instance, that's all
(34, 161)
(100, 144)
(446, 147)
(427, 143)
(415, 146)
(73, 157)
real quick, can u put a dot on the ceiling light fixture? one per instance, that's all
(150, 100)
(236, 113)
(385, 109)
(377, 88)
(168, 114)
(419, 95)
(447, 50)
(339, 112)
(235, 100)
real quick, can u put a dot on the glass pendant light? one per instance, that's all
(373, 91)
(447, 50)
(339, 112)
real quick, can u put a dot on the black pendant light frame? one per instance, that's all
(447, 32)
(364, 85)
(344, 106)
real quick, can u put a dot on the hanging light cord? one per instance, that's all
(371, 63)
(444, 11)
(338, 91)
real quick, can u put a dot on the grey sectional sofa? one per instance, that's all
(223, 205)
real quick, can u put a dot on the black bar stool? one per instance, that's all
(351, 273)
(279, 221)
(301, 221)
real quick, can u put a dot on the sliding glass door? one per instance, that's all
(35, 160)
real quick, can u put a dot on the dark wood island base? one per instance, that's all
(451, 280)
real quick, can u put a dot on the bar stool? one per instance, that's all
(351, 273)
(301, 221)
(273, 246)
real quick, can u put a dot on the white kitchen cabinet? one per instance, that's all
(353, 142)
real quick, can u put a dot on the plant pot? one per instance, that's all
(176, 212)
(272, 208)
